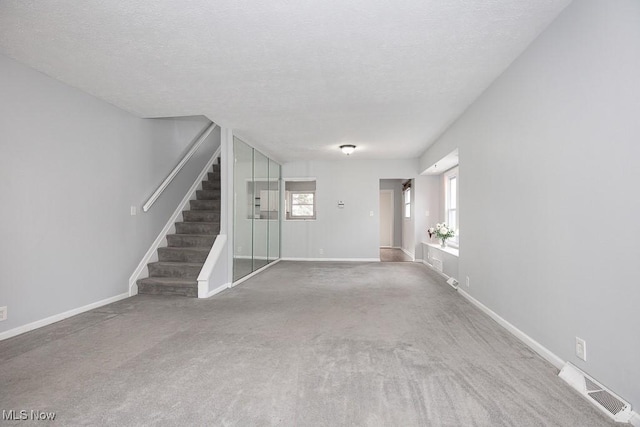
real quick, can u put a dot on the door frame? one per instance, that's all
(393, 219)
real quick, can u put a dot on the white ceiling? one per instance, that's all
(295, 78)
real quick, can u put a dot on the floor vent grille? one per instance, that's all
(608, 401)
(604, 399)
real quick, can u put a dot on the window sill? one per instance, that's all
(451, 251)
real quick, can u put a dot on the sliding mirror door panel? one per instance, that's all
(261, 209)
(243, 211)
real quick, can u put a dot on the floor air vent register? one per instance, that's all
(604, 399)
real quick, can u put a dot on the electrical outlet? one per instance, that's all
(134, 211)
(3, 313)
(321, 251)
(467, 282)
(581, 349)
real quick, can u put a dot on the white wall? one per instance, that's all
(70, 167)
(548, 192)
(348, 233)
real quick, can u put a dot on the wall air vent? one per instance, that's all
(604, 399)
(437, 264)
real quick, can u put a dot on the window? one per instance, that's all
(406, 194)
(300, 200)
(302, 204)
(451, 201)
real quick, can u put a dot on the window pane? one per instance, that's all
(407, 196)
(302, 210)
(453, 192)
(451, 220)
(302, 199)
(407, 211)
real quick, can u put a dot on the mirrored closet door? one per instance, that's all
(256, 210)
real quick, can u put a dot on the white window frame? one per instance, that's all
(448, 176)
(405, 203)
(289, 214)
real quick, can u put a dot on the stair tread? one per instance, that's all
(198, 227)
(187, 248)
(172, 281)
(178, 263)
(192, 235)
(199, 222)
(196, 215)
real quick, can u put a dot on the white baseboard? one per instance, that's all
(151, 254)
(332, 259)
(58, 317)
(530, 342)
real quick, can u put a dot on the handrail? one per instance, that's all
(178, 167)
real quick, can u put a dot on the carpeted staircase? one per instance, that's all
(178, 265)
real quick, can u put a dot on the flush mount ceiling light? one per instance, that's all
(348, 148)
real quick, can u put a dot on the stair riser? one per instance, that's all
(194, 241)
(181, 255)
(204, 205)
(182, 271)
(201, 216)
(197, 228)
(151, 289)
(208, 194)
(208, 185)
(213, 176)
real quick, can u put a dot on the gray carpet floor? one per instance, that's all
(301, 344)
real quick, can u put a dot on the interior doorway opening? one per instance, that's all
(395, 219)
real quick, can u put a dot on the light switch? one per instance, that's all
(370, 213)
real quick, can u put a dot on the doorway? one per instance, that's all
(391, 221)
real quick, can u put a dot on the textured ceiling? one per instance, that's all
(295, 78)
